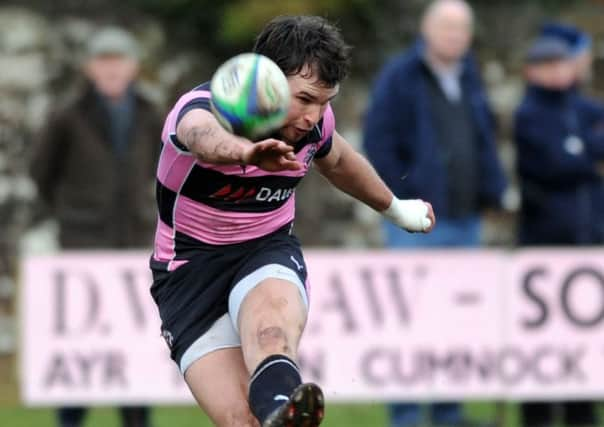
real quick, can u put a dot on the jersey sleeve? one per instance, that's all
(328, 127)
(201, 103)
(189, 101)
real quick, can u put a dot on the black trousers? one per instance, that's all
(132, 416)
(542, 414)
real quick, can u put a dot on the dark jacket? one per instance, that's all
(401, 141)
(100, 199)
(559, 137)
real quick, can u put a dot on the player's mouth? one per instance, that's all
(301, 132)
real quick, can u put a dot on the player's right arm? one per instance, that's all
(205, 138)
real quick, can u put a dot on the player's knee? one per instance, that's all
(273, 338)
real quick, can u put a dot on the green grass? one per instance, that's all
(185, 416)
(354, 416)
(366, 415)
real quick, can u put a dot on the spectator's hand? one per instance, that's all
(271, 155)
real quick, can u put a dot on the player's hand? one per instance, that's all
(271, 155)
(431, 217)
(415, 216)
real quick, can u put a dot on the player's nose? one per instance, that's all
(312, 116)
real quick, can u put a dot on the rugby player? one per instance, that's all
(230, 279)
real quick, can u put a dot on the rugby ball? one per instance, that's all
(250, 96)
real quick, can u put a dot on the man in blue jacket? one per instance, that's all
(560, 148)
(429, 130)
(429, 133)
(591, 109)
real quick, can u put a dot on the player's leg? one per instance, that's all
(271, 318)
(219, 383)
(214, 370)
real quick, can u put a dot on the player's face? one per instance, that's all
(309, 99)
(111, 74)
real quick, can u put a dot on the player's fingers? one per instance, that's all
(266, 145)
(281, 147)
(290, 164)
(431, 217)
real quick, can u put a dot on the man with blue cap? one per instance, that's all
(591, 108)
(558, 151)
(580, 45)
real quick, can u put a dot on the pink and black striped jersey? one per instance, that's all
(201, 204)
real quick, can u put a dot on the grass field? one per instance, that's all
(177, 417)
(12, 414)
(336, 416)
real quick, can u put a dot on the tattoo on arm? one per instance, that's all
(196, 136)
(207, 145)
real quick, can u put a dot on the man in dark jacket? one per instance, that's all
(560, 147)
(94, 166)
(429, 133)
(591, 108)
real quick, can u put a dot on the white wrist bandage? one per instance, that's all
(412, 215)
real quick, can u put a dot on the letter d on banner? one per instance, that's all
(86, 297)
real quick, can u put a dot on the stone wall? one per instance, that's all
(26, 66)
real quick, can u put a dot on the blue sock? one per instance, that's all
(271, 384)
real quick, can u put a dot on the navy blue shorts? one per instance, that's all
(195, 296)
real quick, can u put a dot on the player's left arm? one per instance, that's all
(350, 172)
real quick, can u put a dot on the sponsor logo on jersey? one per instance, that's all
(266, 194)
(262, 194)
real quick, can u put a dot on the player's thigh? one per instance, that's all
(219, 382)
(271, 319)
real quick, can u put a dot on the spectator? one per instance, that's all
(580, 46)
(94, 166)
(559, 148)
(592, 109)
(429, 132)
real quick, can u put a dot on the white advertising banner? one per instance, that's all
(383, 325)
(554, 324)
(90, 332)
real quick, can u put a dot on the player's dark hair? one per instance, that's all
(295, 41)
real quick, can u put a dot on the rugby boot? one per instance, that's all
(305, 408)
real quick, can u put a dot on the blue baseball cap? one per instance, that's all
(546, 49)
(578, 41)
